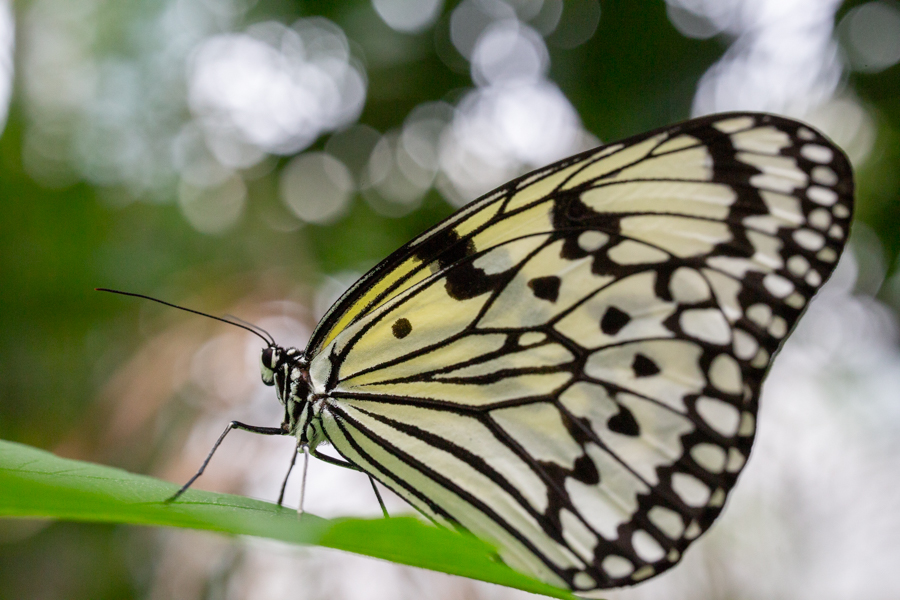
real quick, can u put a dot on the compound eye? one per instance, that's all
(267, 365)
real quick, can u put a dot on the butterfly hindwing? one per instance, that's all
(571, 365)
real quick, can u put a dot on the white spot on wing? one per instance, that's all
(643, 573)
(748, 424)
(795, 300)
(824, 175)
(745, 345)
(688, 286)
(761, 314)
(709, 456)
(821, 195)
(531, 337)
(777, 285)
(647, 548)
(629, 252)
(798, 265)
(667, 520)
(827, 255)
(735, 124)
(617, 566)
(691, 490)
(760, 360)
(717, 499)
(693, 530)
(809, 239)
(725, 374)
(719, 415)
(736, 460)
(592, 240)
(765, 140)
(706, 324)
(778, 327)
(584, 581)
(817, 153)
(774, 183)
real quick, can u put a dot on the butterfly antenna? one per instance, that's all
(252, 326)
(190, 310)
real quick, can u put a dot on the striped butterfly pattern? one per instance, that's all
(571, 365)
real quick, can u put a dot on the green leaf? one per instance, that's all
(35, 483)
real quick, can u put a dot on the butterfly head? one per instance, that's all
(288, 370)
(283, 368)
(270, 361)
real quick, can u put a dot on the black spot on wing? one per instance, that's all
(545, 288)
(624, 423)
(643, 366)
(586, 471)
(401, 328)
(464, 281)
(444, 246)
(613, 321)
(446, 250)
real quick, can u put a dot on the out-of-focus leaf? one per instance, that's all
(35, 483)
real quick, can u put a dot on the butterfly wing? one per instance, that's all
(570, 366)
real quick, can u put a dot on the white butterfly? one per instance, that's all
(570, 366)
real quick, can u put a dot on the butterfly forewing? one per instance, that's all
(571, 365)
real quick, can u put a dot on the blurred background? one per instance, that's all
(253, 157)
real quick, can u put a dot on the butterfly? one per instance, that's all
(571, 365)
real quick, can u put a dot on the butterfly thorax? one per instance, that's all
(287, 369)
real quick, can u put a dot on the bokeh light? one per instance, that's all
(316, 187)
(871, 36)
(7, 46)
(702, 19)
(516, 119)
(784, 58)
(275, 87)
(408, 16)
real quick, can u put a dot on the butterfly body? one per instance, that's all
(571, 365)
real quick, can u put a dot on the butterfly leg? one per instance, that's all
(347, 465)
(303, 479)
(333, 461)
(380, 501)
(232, 425)
(288, 474)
